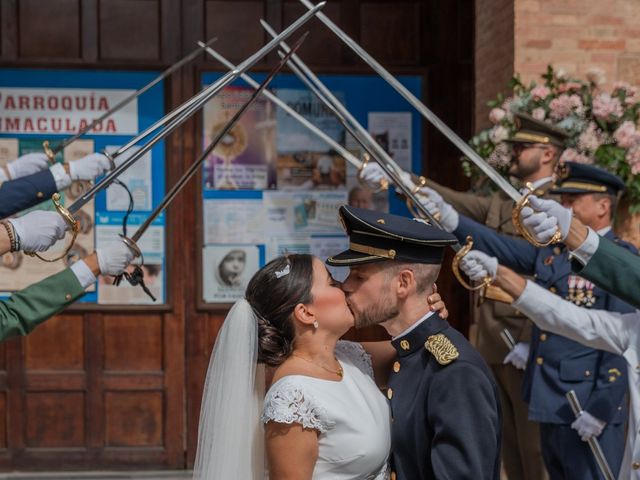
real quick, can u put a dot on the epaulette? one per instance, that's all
(442, 349)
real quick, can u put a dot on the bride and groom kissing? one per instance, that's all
(421, 406)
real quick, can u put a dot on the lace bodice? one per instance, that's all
(351, 416)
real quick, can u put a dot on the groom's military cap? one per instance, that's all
(531, 130)
(579, 178)
(376, 236)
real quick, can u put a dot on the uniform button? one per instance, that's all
(636, 465)
(404, 344)
(587, 373)
(39, 194)
(556, 250)
(393, 476)
(389, 393)
(396, 367)
(543, 337)
(68, 296)
(539, 360)
(619, 408)
(553, 289)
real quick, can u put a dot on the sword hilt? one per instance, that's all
(522, 230)
(383, 184)
(48, 152)
(455, 266)
(419, 182)
(73, 224)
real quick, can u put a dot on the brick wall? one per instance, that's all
(494, 48)
(578, 34)
(571, 34)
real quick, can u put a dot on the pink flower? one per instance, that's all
(621, 86)
(540, 92)
(626, 135)
(569, 87)
(591, 138)
(498, 134)
(506, 106)
(569, 155)
(501, 156)
(538, 113)
(633, 159)
(605, 106)
(580, 158)
(562, 106)
(496, 115)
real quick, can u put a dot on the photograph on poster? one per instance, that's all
(245, 159)
(226, 270)
(311, 171)
(303, 212)
(392, 130)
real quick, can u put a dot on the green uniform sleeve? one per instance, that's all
(615, 269)
(28, 308)
(473, 206)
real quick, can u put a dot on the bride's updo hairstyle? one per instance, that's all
(273, 293)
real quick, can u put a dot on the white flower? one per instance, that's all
(538, 113)
(499, 134)
(496, 115)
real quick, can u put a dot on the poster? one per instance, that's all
(226, 270)
(52, 105)
(303, 212)
(137, 178)
(226, 220)
(245, 158)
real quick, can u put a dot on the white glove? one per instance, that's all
(89, 167)
(588, 426)
(27, 165)
(39, 230)
(544, 221)
(433, 201)
(114, 258)
(478, 265)
(373, 174)
(518, 356)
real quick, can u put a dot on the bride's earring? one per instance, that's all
(315, 324)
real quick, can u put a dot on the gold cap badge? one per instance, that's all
(442, 349)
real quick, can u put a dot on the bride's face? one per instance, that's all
(329, 302)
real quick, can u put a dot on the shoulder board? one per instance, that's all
(442, 349)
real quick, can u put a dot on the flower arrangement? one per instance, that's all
(602, 125)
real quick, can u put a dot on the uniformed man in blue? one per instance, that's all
(443, 398)
(28, 180)
(556, 364)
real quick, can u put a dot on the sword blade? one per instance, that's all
(229, 125)
(346, 154)
(183, 61)
(431, 117)
(182, 113)
(595, 447)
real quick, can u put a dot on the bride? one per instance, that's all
(323, 416)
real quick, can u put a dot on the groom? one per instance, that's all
(444, 402)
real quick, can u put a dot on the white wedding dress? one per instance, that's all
(351, 416)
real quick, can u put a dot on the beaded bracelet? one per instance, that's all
(13, 238)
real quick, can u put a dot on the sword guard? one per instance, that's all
(137, 276)
(112, 162)
(419, 182)
(382, 185)
(522, 230)
(455, 266)
(73, 224)
(48, 152)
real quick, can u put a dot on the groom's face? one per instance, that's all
(370, 295)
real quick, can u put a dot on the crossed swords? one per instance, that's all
(409, 188)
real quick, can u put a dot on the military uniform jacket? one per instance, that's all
(492, 317)
(615, 269)
(445, 408)
(28, 308)
(557, 364)
(21, 193)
